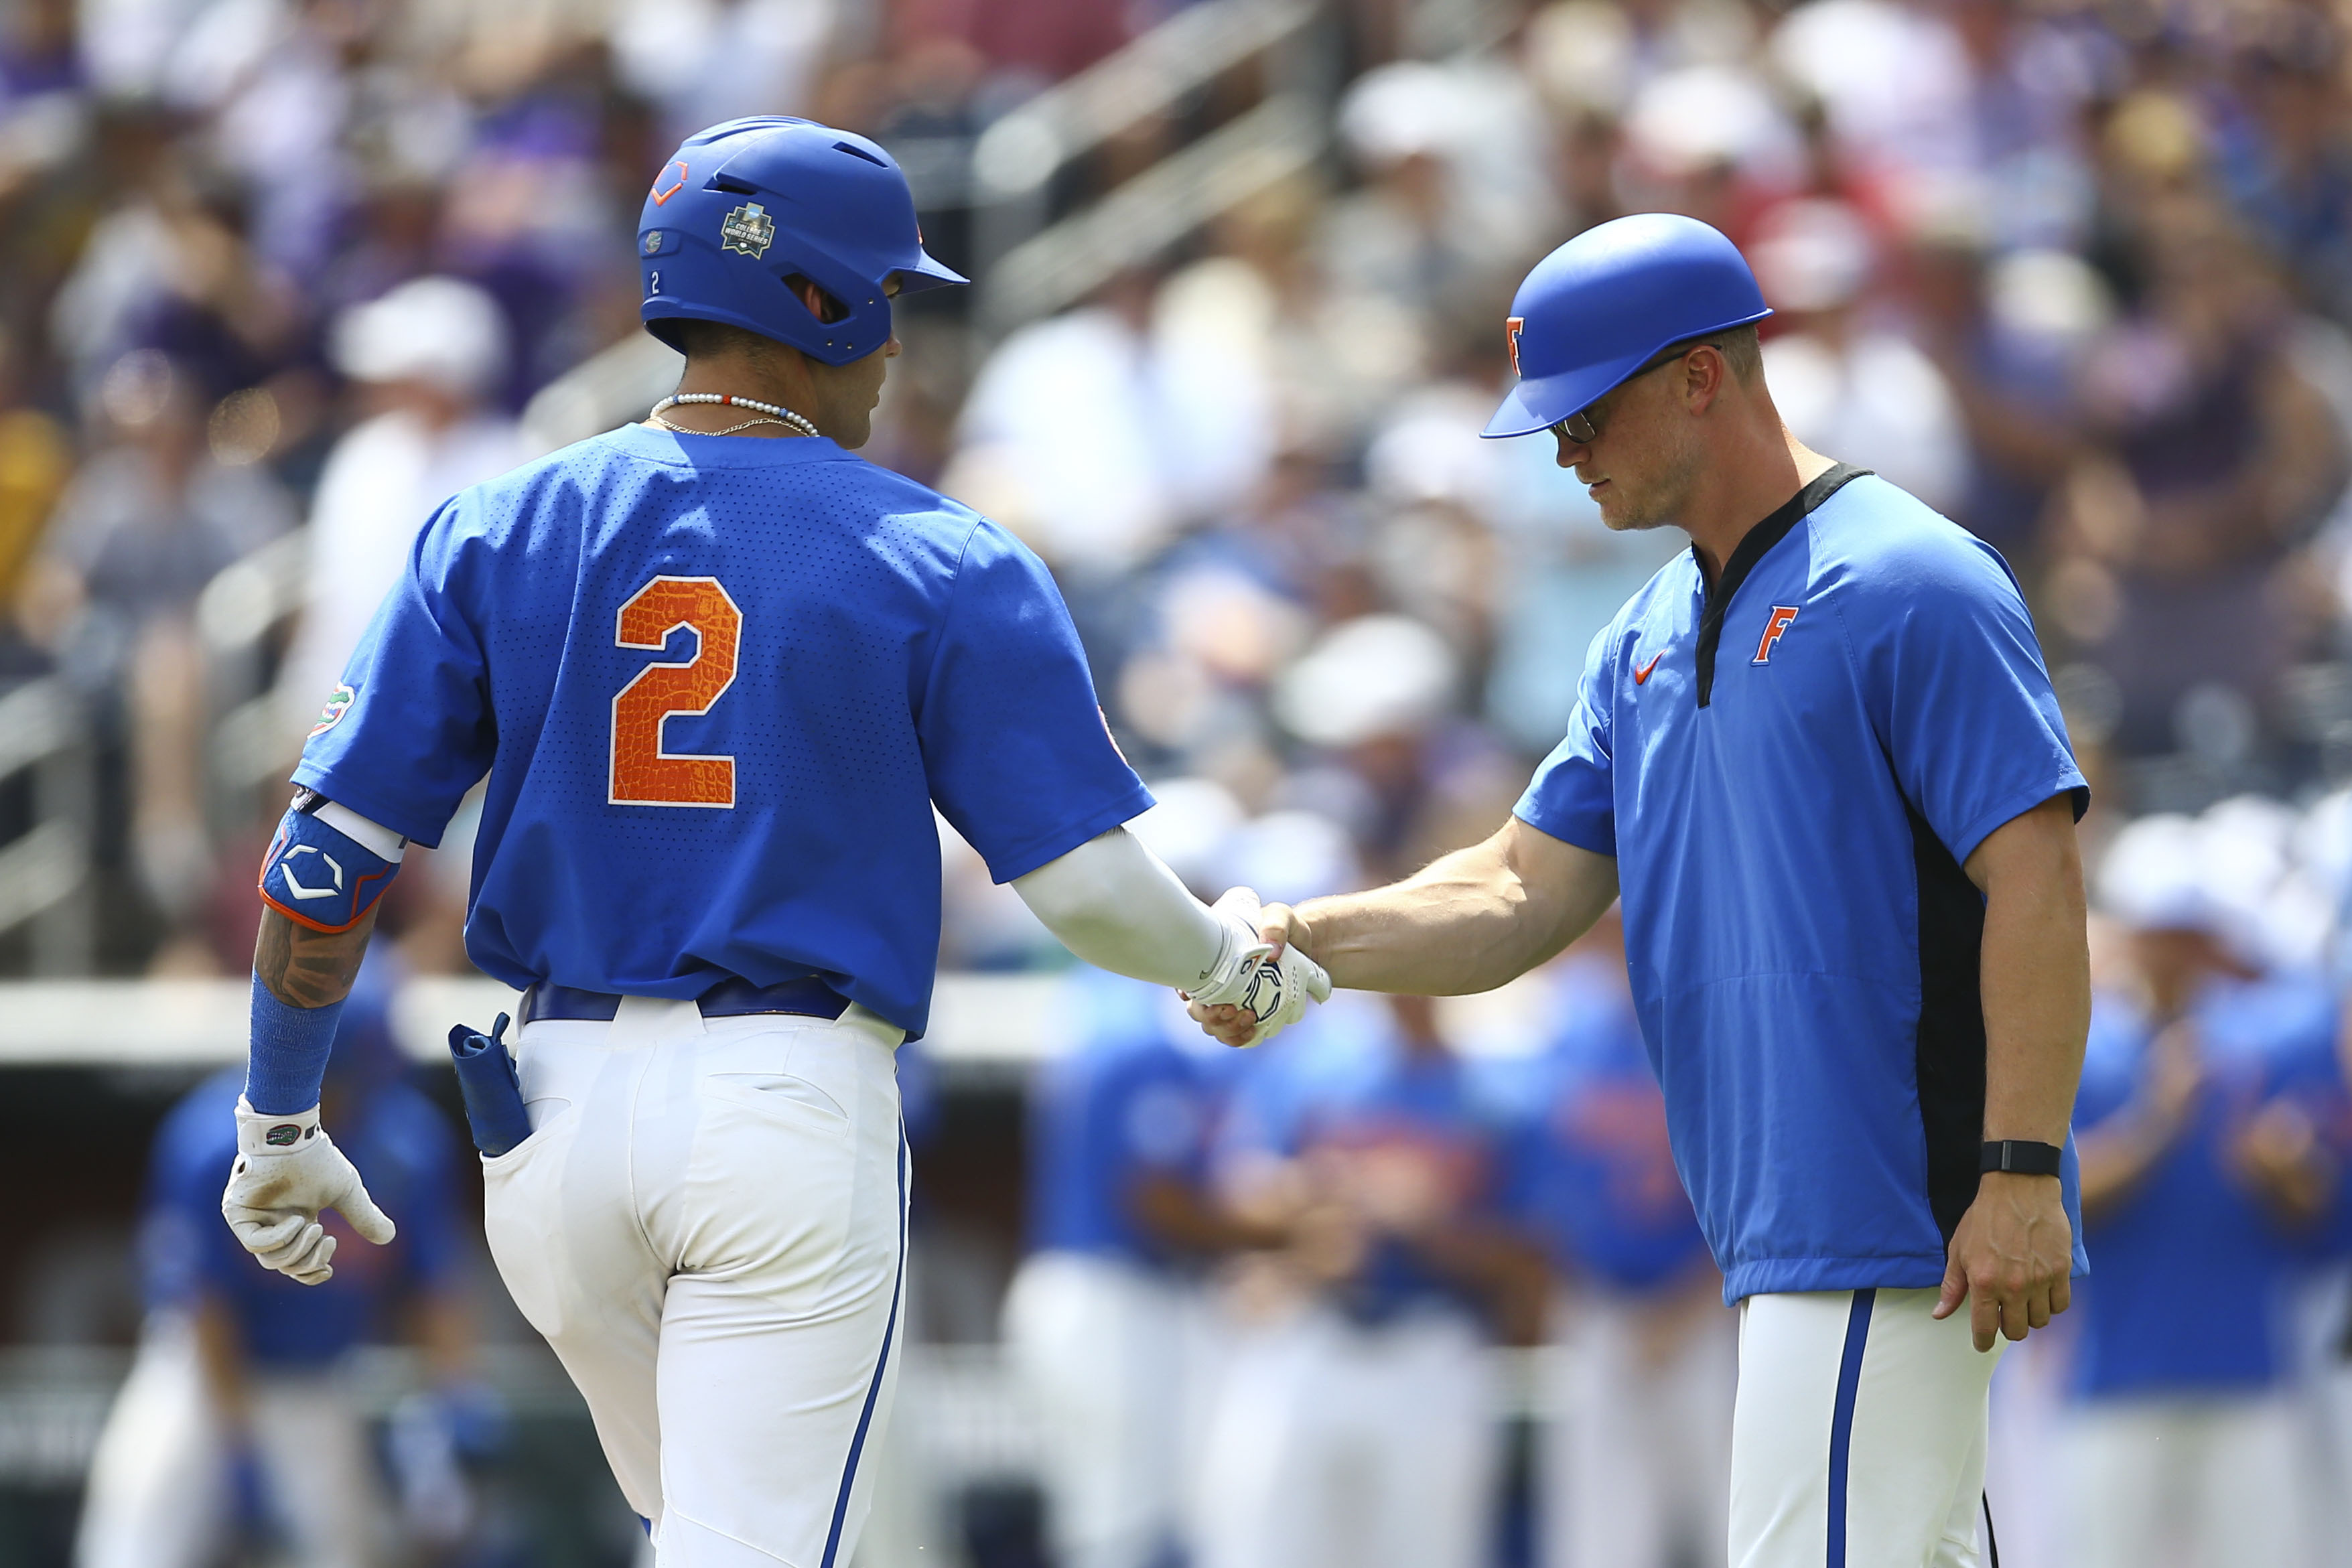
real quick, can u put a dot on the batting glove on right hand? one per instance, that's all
(1275, 991)
(287, 1171)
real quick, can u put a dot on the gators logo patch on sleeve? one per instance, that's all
(339, 703)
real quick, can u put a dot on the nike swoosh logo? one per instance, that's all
(1643, 675)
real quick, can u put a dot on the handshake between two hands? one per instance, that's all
(1263, 982)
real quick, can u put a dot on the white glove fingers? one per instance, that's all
(310, 1267)
(313, 1267)
(354, 1205)
(1240, 900)
(261, 1230)
(290, 1252)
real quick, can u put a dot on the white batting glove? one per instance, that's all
(1275, 991)
(287, 1170)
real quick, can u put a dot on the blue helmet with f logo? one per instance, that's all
(1599, 308)
(745, 207)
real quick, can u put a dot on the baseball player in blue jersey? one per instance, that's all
(1356, 1423)
(2211, 1115)
(717, 671)
(1820, 756)
(234, 1361)
(1102, 1320)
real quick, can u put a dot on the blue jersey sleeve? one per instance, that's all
(410, 730)
(1953, 678)
(1572, 796)
(1018, 756)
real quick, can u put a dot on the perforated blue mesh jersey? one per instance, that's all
(718, 683)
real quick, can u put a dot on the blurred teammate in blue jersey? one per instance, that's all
(1637, 1454)
(2210, 1118)
(235, 1402)
(1355, 1421)
(1105, 1320)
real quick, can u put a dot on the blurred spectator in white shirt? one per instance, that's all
(1711, 141)
(1845, 385)
(1059, 439)
(425, 355)
(1455, 203)
(704, 61)
(1895, 80)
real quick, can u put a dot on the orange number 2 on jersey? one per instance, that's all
(643, 773)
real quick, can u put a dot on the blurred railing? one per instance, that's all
(45, 871)
(1030, 269)
(237, 614)
(1143, 216)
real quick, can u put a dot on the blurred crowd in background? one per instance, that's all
(276, 275)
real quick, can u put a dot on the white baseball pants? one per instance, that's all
(708, 1223)
(1100, 1346)
(1858, 1438)
(1331, 1444)
(2202, 1483)
(160, 1489)
(1636, 1457)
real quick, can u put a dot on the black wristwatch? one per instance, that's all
(2020, 1157)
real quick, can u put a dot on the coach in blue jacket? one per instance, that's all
(1820, 756)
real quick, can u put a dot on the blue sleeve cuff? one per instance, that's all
(287, 1060)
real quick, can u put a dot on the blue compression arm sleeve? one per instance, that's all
(319, 876)
(289, 1056)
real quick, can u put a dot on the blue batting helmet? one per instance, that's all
(747, 204)
(1596, 310)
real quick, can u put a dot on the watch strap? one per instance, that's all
(2021, 1156)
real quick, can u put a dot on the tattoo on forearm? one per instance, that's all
(306, 968)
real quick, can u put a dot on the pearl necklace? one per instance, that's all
(776, 415)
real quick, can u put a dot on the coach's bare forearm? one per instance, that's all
(1466, 922)
(2012, 1251)
(306, 968)
(2036, 973)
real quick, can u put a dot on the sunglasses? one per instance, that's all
(1583, 426)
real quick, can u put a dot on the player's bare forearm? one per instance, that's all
(2013, 1250)
(1467, 922)
(2036, 973)
(306, 968)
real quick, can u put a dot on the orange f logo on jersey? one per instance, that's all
(1773, 630)
(1512, 326)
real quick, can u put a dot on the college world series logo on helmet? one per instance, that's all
(748, 229)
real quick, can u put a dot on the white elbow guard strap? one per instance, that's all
(328, 865)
